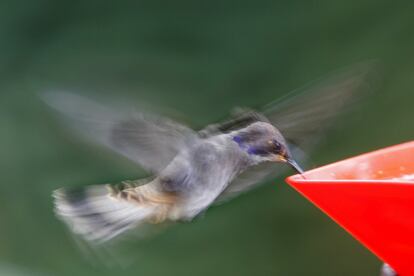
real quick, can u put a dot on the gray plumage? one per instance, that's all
(191, 169)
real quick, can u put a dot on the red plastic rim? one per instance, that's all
(372, 197)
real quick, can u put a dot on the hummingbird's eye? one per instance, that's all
(277, 147)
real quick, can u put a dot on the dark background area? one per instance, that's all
(201, 58)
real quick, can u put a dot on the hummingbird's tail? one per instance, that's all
(101, 212)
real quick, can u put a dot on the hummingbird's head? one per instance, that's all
(263, 142)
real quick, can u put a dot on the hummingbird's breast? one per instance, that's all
(199, 174)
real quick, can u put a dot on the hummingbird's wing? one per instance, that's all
(150, 140)
(302, 116)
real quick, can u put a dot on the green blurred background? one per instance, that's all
(201, 58)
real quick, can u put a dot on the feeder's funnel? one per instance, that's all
(372, 197)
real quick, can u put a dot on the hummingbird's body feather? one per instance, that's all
(180, 192)
(203, 172)
(191, 169)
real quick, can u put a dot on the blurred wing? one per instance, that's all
(301, 117)
(151, 141)
(240, 118)
(248, 179)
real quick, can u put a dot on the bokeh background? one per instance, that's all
(201, 58)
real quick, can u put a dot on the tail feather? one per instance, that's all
(102, 212)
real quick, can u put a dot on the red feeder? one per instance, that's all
(372, 197)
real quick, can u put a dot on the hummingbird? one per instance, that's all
(190, 169)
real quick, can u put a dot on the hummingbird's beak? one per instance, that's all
(294, 165)
(290, 161)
